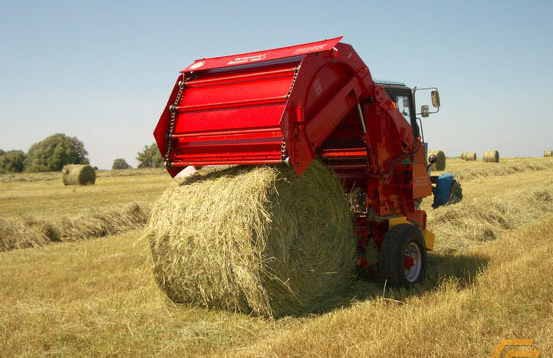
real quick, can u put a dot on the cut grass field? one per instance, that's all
(98, 297)
(46, 196)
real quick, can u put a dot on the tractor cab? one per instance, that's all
(403, 98)
(446, 188)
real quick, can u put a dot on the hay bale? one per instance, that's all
(440, 164)
(471, 156)
(491, 156)
(254, 239)
(548, 153)
(75, 174)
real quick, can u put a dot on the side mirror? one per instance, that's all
(425, 111)
(435, 98)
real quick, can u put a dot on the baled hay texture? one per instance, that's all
(440, 164)
(548, 153)
(75, 174)
(469, 156)
(491, 156)
(254, 239)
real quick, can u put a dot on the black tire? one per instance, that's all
(397, 241)
(456, 193)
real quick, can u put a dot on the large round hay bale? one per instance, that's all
(76, 174)
(548, 153)
(440, 164)
(468, 156)
(254, 239)
(491, 156)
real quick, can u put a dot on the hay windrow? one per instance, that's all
(491, 156)
(506, 167)
(75, 174)
(440, 164)
(478, 220)
(19, 233)
(254, 239)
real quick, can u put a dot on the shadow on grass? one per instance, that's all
(461, 269)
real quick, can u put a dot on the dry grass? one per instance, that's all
(40, 210)
(50, 199)
(19, 233)
(479, 170)
(510, 298)
(466, 224)
(98, 298)
(101, 173)
(254, 239)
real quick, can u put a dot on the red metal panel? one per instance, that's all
(262, 56)
(232, 114)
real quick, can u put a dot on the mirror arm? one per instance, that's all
(415, 89)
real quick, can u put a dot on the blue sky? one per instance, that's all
(103, 70)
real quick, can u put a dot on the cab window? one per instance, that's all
(402, 103)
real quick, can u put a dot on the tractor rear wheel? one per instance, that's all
(404, 260)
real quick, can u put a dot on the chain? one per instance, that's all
(296, 71)
(283, 151)
(173, 111)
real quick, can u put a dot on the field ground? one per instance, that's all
(44, 194)
(489, 279)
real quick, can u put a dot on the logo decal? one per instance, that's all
(197, 65)
(515, 353)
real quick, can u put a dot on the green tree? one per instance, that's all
(54, 152)
(2, 152)
(12, 162)
(120, 163)
(149, 157)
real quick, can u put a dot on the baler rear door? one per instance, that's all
(230, 108)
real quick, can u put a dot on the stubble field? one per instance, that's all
(489, 278)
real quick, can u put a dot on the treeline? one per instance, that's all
(50, 154)
(57, 150)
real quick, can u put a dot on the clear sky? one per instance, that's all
(103, 70)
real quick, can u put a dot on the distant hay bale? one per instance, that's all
(468, 156)
(548, 153)
(254, 239)
(491, 156)
(440, 164)
(75, 174)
